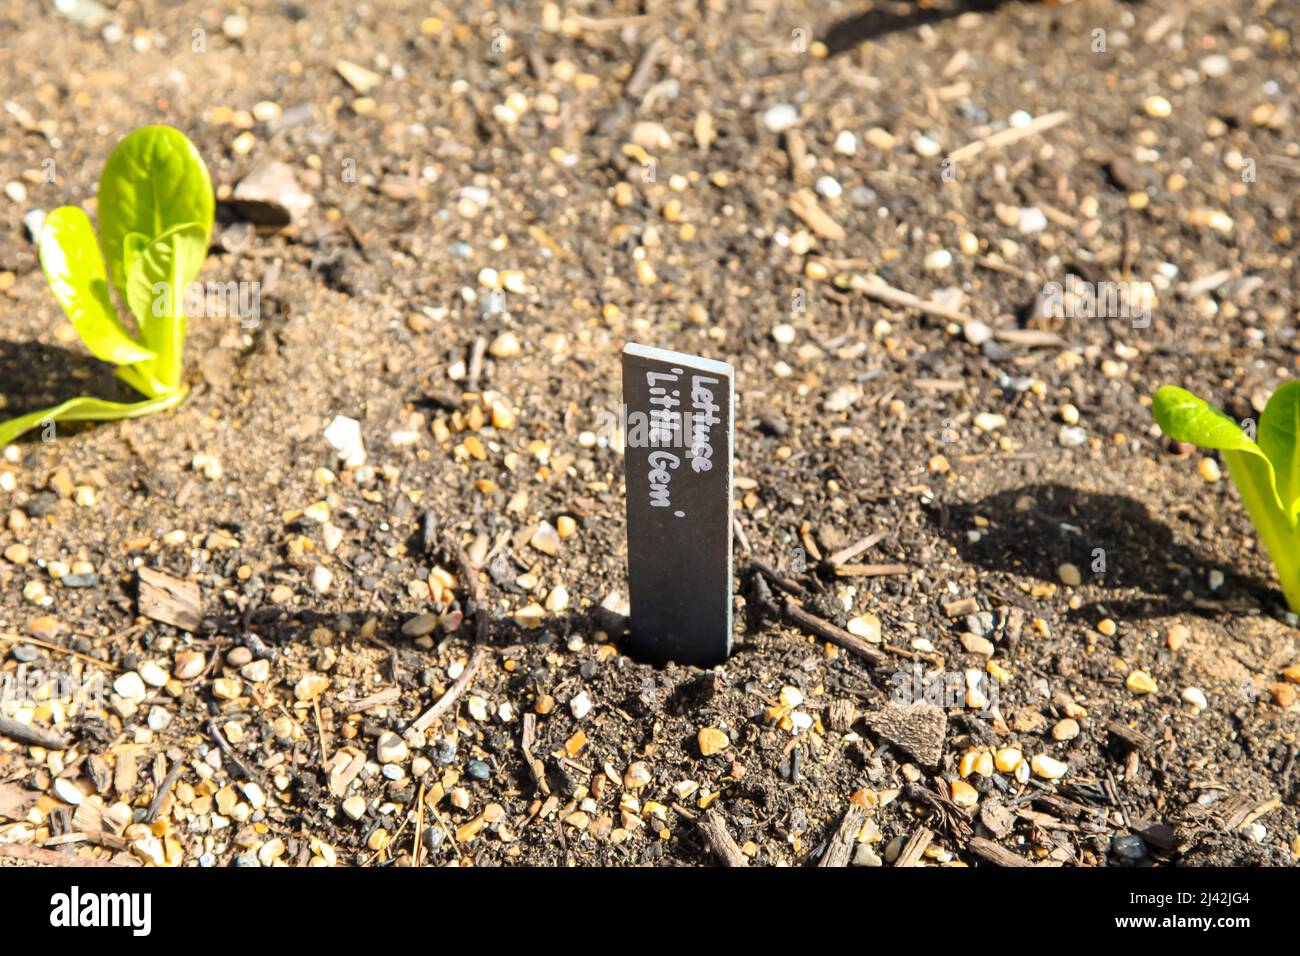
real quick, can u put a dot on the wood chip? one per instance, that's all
(715, 833)
(918, 729)
(989, 851)
(915, 848)
(170, 600)
(840, 849)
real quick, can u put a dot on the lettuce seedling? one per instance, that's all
(1266, 472)
(155, 210)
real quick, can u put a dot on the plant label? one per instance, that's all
(677, 428)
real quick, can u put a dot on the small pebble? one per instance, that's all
(130, 686)
(152, 674)
(1066, 729)
(976, 332)
(580, 705)
(712, 741)
(829, 187)
(420, 626)
(321, 579)
(68, 791)
(1177, 636)
(1008, 759)
(780, 117)
(637, 776)
(1129, 847)
(391, 748)
(866, 626)
(1049, 768)
(1157, 107)
(1196, 697)
(1140, 682)
(1071, 436)
(546, 539)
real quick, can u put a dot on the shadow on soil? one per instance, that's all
(1035, 529)
(884, 19)
(34, 375)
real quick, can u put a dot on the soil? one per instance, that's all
(375, 303)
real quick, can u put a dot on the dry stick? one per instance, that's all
(448, 700)
(33, 736)
(535, 766)
(419, 827)
(874, 287)
(442, 824)
(640, 79)
(840, 849)
(911, 854)
(1005, 137)
(836, 635)
(992, 853)
(17, 639)
(714, 830)
(477, 351)
(870, 570)
(49, 857)
(169, 781)
(845, 555)
(215, 732)
(385, 696)
(476, 659)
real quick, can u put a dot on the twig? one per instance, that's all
(874, 287)
(840, 849)
(912, 852)
(640, 79)
(33, 736)
(476, 659)
(156, 804)
(836, 635)
(714, 830)
(386, 696)
(845, 555)
(870, 570)
(781, 583)
(215, 732)
(419, 827)
(477, 351)
(535, 765)
(451, 837)
(18, 639)
(448, 699)
(1012, 134)
(320, 734)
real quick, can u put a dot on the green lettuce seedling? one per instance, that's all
(1266, 472)
(155, 221)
